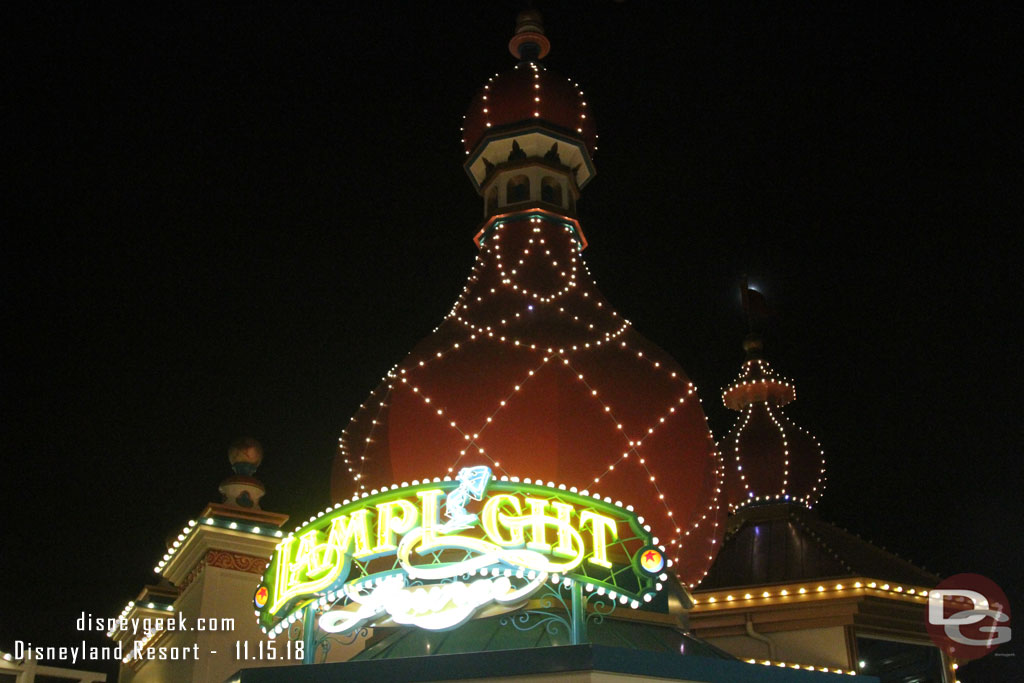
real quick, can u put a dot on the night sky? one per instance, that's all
(234, 220)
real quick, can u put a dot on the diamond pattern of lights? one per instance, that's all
(530, 324)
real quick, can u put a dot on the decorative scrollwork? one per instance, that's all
(327, 641)
(553, 603)
(531, 619)
(598, 607)
(295, 630)
(551, 593)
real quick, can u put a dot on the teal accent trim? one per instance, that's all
(543, 660)
(533, 213)
(247, 527)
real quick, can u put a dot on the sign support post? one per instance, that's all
(579, 618)
(309, 634)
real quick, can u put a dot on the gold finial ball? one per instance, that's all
(245, 455)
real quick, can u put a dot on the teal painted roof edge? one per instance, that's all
(541, 660)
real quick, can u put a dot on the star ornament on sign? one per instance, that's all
(260, 599)
(652, 560)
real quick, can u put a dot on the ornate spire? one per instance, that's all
(529, 134)
(768, 457)
(529, 42)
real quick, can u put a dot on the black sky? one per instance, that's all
(233, 220)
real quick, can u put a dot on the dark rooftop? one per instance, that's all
(781, 543)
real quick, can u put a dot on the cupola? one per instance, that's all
(529, 134)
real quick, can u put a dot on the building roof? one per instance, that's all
(782, 543)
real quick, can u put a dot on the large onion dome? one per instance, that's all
(768, 458)
(535, 375)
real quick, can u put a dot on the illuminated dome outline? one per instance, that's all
(770, 459)
(532, 372)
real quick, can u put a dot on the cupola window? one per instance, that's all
(517, 189)
(551, 191)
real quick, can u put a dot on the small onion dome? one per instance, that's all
(529, 94)
(768, 458)
(245, 455)
(241, 488)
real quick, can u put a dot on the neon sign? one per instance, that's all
(435, 553)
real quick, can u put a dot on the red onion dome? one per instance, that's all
(529, 94)
(535, 375)
(768, 457)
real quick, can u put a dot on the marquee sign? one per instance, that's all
(435, 553)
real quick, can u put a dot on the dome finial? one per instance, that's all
(529, 42)
(753, 345)
(242, 489)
